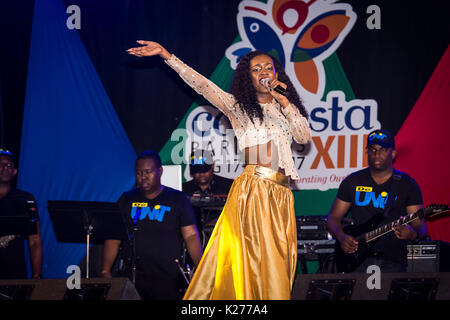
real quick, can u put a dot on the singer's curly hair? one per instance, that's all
(245, 94)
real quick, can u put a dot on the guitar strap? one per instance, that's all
(396, 177)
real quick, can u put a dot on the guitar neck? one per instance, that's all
(374, 234)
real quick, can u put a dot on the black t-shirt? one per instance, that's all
(12, 254)
(158, 237)
(369, 199)
(219, 186)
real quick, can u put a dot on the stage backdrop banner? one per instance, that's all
(73, 145)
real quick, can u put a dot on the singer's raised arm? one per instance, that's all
(220, 99)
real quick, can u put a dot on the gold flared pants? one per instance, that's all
(252, 251)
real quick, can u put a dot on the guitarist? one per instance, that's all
(374, 191)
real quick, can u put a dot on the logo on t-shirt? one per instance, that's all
(141, 210)
(365, 195)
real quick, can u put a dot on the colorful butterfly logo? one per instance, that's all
(301, 34)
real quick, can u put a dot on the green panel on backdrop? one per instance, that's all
(336, 78)
(313, 202)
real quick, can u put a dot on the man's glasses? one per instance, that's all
(375, 150)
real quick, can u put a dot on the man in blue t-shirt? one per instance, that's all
(378, 193)
(159, 219)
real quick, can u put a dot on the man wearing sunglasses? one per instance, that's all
(378, 193)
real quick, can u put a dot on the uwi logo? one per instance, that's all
(141, 210)
(370, 196)
(301, 34)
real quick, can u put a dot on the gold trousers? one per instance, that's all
(252, 251)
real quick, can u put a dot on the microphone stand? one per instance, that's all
(88, 228)
(183, 272)
(133, 245)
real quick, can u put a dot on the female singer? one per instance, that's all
(252, 251)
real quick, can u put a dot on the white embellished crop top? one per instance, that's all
(280, 124)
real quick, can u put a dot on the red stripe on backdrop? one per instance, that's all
(423, 144)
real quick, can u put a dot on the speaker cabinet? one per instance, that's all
(423, 257)
(354, 286)
(56, 289)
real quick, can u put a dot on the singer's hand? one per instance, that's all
(282, 100)
(148, 49)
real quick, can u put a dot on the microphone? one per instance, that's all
(278, 88)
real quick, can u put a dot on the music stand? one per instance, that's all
(86, 221)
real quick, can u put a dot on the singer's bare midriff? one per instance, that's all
(265, 155)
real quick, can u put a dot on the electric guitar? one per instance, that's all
(366, 234)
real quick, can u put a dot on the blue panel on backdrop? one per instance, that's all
(73, 145)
